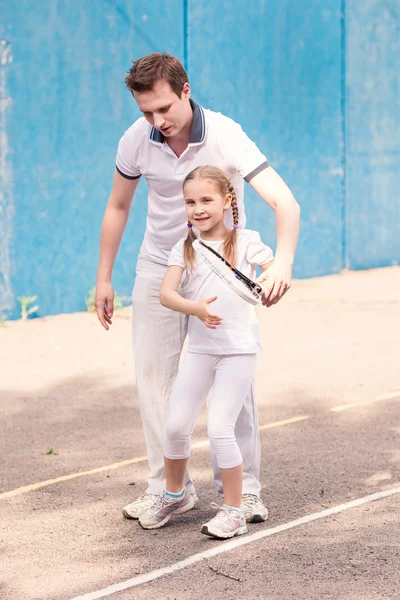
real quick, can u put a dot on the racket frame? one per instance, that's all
(249, 283)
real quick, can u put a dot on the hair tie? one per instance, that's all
(189, 225)
(236, 227)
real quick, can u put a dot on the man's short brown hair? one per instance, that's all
(149, 70)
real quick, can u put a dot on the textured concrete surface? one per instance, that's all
(66, 384)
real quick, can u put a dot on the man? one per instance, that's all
(174, 136)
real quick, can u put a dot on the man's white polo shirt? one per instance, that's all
(215, 140)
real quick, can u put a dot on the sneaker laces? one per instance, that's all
(153, 497)
(248, 500)
(161, 502)
(146, 494)
(224, 513)
(158, 504)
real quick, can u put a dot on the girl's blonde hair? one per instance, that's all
(224, 187)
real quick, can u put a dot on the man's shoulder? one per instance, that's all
(223, 129)
(218, 119)
(139, 129)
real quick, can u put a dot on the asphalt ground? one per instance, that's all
(73, 454)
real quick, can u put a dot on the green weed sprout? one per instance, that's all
(24, 302)
(90, 305)
(50, 451)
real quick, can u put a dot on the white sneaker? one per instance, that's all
(254, 509)
(160, 513)
(143, 503)
(227, 523)
(146, 501)
(189, 484)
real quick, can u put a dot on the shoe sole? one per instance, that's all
(178, 511)
(126, 515)
(239, 531)
(194, 496)
(256, 519)
(160, 524)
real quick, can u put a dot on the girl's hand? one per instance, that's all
(202, 312)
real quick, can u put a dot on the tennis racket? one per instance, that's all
(245, 288)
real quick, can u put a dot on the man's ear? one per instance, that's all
(186, 91)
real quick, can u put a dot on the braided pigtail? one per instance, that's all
(230, 242)
(188, 250)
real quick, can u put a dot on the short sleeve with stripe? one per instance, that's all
(241, 152)
(129, 150)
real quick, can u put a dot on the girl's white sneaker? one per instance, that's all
(227, 523)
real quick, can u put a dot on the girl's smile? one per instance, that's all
(205, 208)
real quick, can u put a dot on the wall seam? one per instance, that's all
(185, 35)
(343, 148)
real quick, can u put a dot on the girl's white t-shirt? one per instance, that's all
(239, 331)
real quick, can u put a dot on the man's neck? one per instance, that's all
(178, 143)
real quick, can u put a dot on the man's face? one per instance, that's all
(163, 109)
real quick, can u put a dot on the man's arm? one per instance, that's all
(273, 190)
(112, 230)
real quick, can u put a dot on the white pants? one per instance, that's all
(158, 337)
(230, 377)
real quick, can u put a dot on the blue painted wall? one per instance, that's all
(314, 84)
(277, 71)
(372, 137)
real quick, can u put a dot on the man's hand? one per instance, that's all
(275, 282)
(104, 303)
(202, 312)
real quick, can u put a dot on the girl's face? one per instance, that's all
(205, 206)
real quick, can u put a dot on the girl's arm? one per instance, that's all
(170, 298)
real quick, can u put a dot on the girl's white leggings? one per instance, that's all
(230, 377)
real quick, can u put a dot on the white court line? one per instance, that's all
(366, 402)
(131, 461)
(200, 444)
(236, 543)
(285, 422)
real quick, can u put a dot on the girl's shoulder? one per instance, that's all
(253, 248)
(176, 255)
(179, 245)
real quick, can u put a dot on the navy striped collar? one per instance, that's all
(198, 130)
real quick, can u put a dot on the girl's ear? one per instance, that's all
(228, 201)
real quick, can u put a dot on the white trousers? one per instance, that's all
(158, 337)
(230, 377)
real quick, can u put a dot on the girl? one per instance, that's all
(223, 343)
